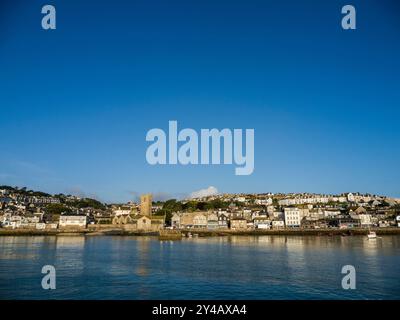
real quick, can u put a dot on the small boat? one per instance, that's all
(189, 235)
(371, 235)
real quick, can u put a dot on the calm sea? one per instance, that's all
(262, 267)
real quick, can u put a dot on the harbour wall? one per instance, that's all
(116, 230)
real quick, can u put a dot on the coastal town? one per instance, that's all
(22, 209)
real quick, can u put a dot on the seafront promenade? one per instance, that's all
(120, 231)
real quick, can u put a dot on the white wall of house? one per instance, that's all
(292, 217)
(278, 224)
(73, 221)
(365, 220)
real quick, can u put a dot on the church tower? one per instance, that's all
(146, 204)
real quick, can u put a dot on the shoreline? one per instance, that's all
(201, 232)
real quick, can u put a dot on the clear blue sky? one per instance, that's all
(76, 103)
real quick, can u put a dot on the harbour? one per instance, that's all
(230, 267)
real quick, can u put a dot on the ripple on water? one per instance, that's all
(265, 267)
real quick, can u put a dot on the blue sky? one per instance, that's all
(76, 103)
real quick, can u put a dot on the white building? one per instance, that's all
(278, 224)
(350, 197)
(12, 221)
(365, 220)
(265, 202)
(292, 217)
(270, 209)
(240, 199)
(278, 215)
(73, 221)
(376, 203)
(308, 200)
(176, 221)
(262, 223)
(122, 212)
(331, 213)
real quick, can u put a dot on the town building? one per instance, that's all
(346, 223)
(200, 221)
(223, 220)
(238, 224)
(148, 223)
(123, 215)
(176, 221)
(146, 204)
(278, 224)
(212, 221)
(262, 223)
(365, 220)
(73, 221)
(292, 217)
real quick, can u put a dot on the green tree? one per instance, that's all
(172, 205)
(190, 206)
(202, 206)
(57, 208)
(88, 203)
(168, 215)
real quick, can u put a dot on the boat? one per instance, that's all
(371, 235)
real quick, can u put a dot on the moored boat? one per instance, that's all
(371, 235)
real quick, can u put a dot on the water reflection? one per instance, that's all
(70, 242)
(14, 247)
(237, 267)
(142, 268)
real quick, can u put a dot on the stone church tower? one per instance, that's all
(146, 204)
